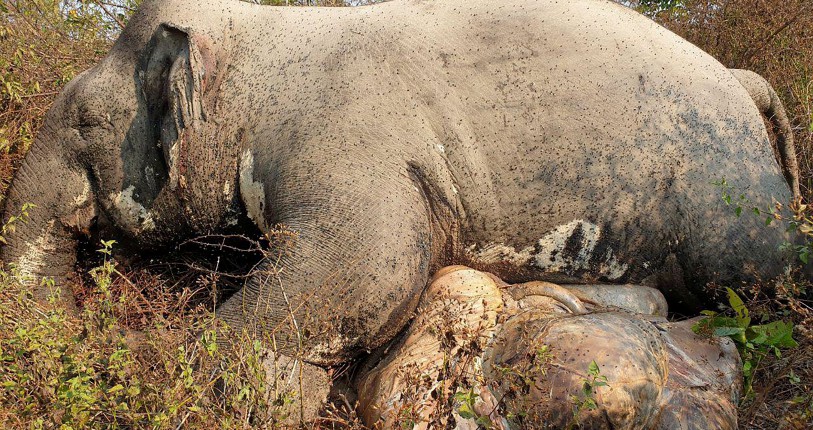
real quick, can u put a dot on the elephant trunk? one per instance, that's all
(54, 195)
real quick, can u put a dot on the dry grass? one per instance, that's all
(43, 45)
(783, 386)
(145, 351)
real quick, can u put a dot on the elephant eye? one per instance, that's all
(89, 123)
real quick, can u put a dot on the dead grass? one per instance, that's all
(783, 386)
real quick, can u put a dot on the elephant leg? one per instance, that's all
(347, 281)
(529, 360)
(351, 276)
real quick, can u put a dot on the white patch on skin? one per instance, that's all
(252, 193)
(131, 211)
(496, 253)
(549, 253)
(551, 256)
(611, 268)
(32, 261)
(81, 199)
(441, 149)
(226, 188)
(454, 189)
(149, 176)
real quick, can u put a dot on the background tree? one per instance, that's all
(43, 45)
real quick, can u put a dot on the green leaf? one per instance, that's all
(743, 320)
(465, 411)
(755, 337)
(727, 331)
(777, 334)
(133, 391)
(738, 211)
(484, 422)
(724, 322)
(593, 369)
(794, 379)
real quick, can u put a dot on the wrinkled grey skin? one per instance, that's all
(569, 141)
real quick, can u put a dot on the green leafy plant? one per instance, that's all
(525, 377)
(466, 400)
(754, 341)
(72, 370)
(586, 400)
(10, 224)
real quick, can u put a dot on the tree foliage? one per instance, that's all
(43, 45)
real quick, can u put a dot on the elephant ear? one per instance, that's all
(174, 73)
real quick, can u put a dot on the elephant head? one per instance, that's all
(115, 148)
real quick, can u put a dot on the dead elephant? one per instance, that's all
(566, 141)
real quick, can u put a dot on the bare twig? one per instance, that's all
(110, 14)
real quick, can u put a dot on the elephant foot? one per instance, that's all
(536, 355)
